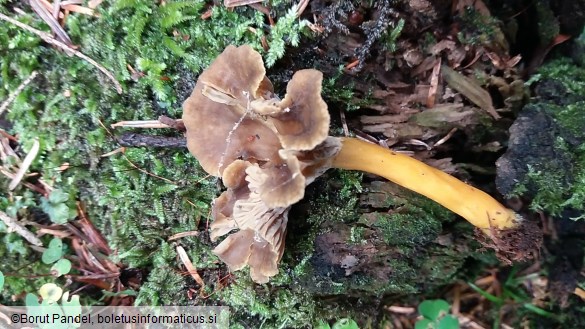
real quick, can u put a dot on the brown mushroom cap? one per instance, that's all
(238, 72)
(219, 133)
(303, 121)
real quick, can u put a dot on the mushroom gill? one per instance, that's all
(259, 242)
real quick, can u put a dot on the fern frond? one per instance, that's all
(164, 189)
(138, 24)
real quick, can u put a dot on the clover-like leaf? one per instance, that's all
(56, 207)
(345, 324)
(424, 324)
(31, 300)
(58, 196)
(71, 307)
(61, 267)
(433, 309)
(448, 322)
(54, 252)
(50, 293)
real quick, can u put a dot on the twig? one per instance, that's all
(183, 235)
(446, 138)
(17, 92)
(189, 266)
(116, 151)
(48, 38)
(35, 188)
(47, 16)
(7, 135)
(173, 123)
(344, 123)
(432, 97)
(13, 225)
(401, 309)
(146, 172)
(140, 124)
(141, 140)
(131, 163)
(32, 154)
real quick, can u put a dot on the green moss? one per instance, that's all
(572, 117)
(555, 186)
(564, 71)
(340, 89)
(548, 24)
(357, 235)
(411, 228)
(270, 308)
(139, 199)
(377, 254)
(477, 29)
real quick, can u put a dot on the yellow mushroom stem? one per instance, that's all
(474, 205)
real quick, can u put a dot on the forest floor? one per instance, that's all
(101, 197)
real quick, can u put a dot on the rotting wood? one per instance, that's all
(142, 140)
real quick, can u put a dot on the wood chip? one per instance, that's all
(470, 89)
(237, 3)
(183, 235)
(434, 84)
(189, 266)
(32, 154)
(140, 124)
(580, 292)
(401, 309)
(46, 15)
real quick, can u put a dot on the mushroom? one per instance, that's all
(219, 130)
(267, 150)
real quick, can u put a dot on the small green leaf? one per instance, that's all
(56, 207)
(1, 280)
(448, 322)
(58, 196)
(59, 213)
(71, 307)
(432, 309)
(54, 252)
(50, 293)
(424, 324)
(61, 267)
(539, 310)
(31, 300)
(485, 294)
(323, 325)
(345, 324)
